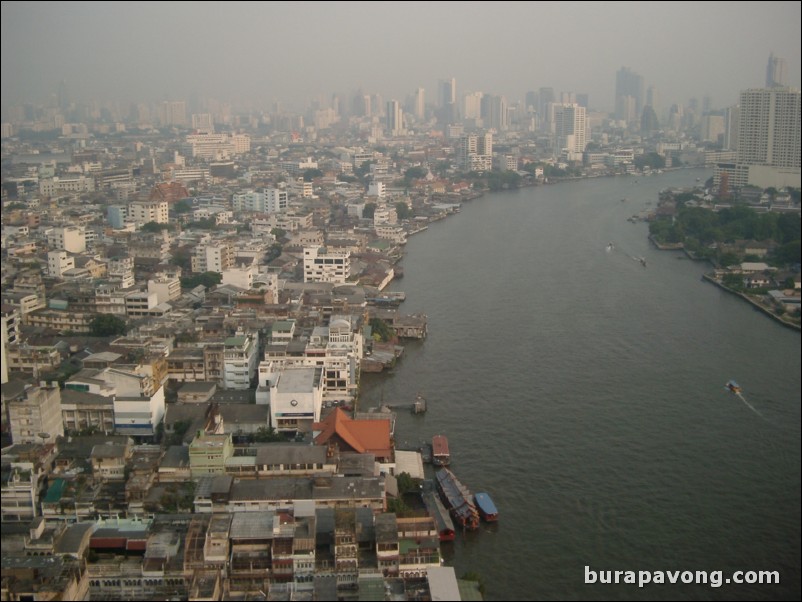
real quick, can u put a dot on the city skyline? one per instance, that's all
(293, 53)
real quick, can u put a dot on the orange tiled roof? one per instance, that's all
(363, 436)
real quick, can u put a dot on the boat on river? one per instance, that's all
(458, 499)
(487, 509)
(440, 454)
(445, 526)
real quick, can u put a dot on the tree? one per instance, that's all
(368, 210)
(183, 206)
(106, 325)
(415, 173)
(155, 227)
(381, 330)
(207, 279)
(311, 174)
(402, 210)
(733, 281)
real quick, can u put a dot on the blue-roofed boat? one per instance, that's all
(734, 387)
(486, 507)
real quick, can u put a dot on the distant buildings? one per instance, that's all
(628, 95)
(776, 75)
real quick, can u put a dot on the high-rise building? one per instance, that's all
(628, 84)
(472, 105)
(544, 106)
(394, 119)
(448, 101)
(732, 117)
(768, 139)
(570, 124)
(448, 92)
(419, 109)
(769, 131)
(775, 72)
(494, 112)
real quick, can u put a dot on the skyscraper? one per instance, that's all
(448, 92)
(769, 129)
(768, 139)
(775, 72)
(448, 101)
(628, 84)
(570, 123)
(394, 118)
(420, 104)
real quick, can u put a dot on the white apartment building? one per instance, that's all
(240, 275)
(68, 238)
(122, 269)
(769, 151)
(166, 289)
(475, 152)
(217, 146)
(337, 349)
(241, 358)
(59, 262)
(9, 335)
(322, 265)
(143, 212)
(34, 414)
(138, 397)
(57, 185)
(268, 200)
(570, 129)
(213, 257)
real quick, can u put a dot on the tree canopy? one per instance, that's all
(106, 325)
(207, 279)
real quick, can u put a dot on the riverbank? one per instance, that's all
(754, 303)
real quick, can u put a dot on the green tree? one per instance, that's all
(368, 210)
(733, 281)
(207, 279)
(311, 174)
(415, 173)
(402, 210)
(381, 330)
(406, 484)
(155, 227)
(183, 206)
(106, 325)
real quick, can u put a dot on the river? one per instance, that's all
(585, 392)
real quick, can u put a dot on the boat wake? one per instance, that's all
(750, 406)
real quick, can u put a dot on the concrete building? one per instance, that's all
(59, 262)
(769, 150)
(240, 361)
(268, 200)
(296, 399)
(213, 257)
(67, 238)
(322, 265)
(570, 125)
(34, 413)
(143, 212)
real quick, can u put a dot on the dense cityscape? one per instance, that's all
(192, 291)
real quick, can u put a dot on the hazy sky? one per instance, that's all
(294, 51)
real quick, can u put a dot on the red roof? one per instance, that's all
(362, 436)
